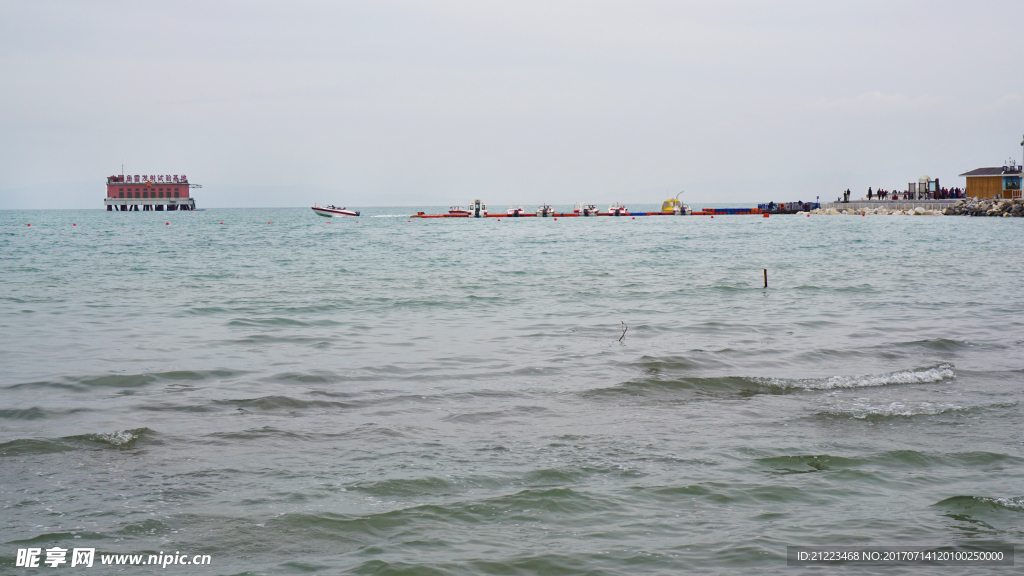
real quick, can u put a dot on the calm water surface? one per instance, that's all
(382, 396)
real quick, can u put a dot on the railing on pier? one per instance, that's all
(894, 204)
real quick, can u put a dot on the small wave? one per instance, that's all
(50, 538)
(982, 504)
(495, 415)
(405, 487)
(86, 383)
(322, 378)
(922, 376)
(148, 527)
(120, 439)
(807, 463)
(33, 413)
(197, 374)
(282, 402)
(958, 460)
(697, 361)
(116, 439)
(31, 446)
(673, 388)
(260, 322)
(390, 216)
(893, 410)
(82, 384)
(938, 344)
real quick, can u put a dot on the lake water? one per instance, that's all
(375, 395)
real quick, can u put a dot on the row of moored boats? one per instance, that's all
(478, 209)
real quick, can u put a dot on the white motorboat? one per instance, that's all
(458, 211)
(545, 210)
(618, 210)
(513, 211)
(332, 211)
(586, 209)
(477, 209)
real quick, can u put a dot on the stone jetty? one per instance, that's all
(987, 207)
(963, 207)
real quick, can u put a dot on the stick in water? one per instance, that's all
(624, 328)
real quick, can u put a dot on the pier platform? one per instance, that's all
(893, 204)
(705, 212)
(148, 204)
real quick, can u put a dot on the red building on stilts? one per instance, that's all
(163, 192)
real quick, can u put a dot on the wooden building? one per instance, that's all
(997, 182)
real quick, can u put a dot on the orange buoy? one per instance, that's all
(765, 215)
(74, 224)
(167, 223)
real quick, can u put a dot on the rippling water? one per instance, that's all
(382, 396)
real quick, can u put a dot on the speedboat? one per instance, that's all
(458, 211)
(618, 210)
(586, 209)
(545, 210)
(331, 211)
(477, 209)
(513, 211)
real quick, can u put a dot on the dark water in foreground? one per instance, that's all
(452, 397)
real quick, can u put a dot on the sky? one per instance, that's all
(391, 103)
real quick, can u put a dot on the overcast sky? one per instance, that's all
(413, 103)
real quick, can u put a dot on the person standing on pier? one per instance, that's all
(869, 193)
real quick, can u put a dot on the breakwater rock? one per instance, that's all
(964, 207)
(987, 207)
(880, 211)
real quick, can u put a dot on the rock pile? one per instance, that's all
(919, 211)
(964, 207)
(987, 207)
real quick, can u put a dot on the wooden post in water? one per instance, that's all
(765, 277)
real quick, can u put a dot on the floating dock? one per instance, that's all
(705, 212)
(727, 211)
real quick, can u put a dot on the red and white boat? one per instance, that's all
(513, 211)
(618, 210)
(332, 211)
(586, 209)
(458, 211)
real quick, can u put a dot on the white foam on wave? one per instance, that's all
(117, 438)
(1015, 504)
(936, 374)
(862, 410)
